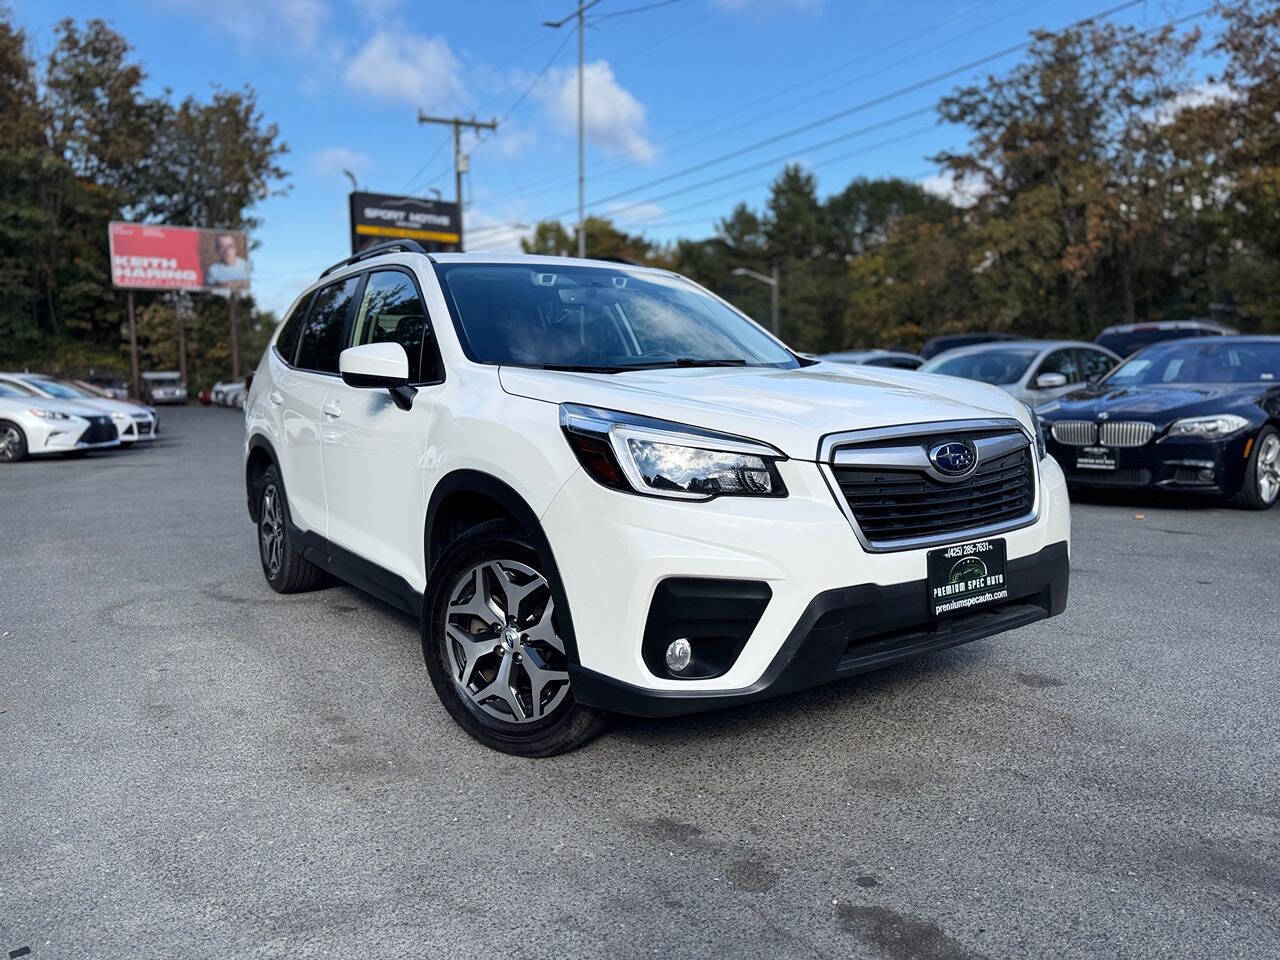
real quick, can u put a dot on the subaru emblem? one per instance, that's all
(954, 458)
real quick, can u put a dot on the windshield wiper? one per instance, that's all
(644, 365)
(694, 362)
(586, 367)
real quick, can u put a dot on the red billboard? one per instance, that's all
(152, 257)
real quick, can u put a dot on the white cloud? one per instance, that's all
(333, 160)
(404, 66)
(634, 214)
(963, 193)
(250, 21)
(613, 118)
(497, 235)
(1201, 95)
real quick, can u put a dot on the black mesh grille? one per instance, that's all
(892, 505)
(1124, 477)
(101, 430)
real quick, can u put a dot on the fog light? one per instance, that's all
(679, 654)
(1207, 476)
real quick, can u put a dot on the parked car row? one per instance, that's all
(42, 415)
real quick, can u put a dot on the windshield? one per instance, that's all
(998, 365)
(598, 319)
(56, 388)
(8, 389)
(1180, 361)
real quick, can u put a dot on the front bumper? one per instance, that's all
(77, 433)
(853, 630)
(135, 430)
(1180, 463)
(613, 550)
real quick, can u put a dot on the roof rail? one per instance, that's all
(377, 250)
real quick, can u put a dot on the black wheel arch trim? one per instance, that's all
(476, 481)
(257, 442)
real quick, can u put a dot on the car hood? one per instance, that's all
(790, 409)
(1160, 404)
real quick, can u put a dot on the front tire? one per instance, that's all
(286, 570)
(492, 641)
(13, 442)
(1261, 487)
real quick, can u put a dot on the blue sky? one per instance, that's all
(668, 88)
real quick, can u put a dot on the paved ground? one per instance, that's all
(194, 766)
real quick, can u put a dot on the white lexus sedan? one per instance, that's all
(34, 425)
(134, 422)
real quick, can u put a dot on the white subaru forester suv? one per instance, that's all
(605, 490)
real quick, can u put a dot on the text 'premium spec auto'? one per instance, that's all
(604, 490)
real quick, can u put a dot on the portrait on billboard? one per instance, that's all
(226, 260)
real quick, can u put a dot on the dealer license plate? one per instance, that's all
(1095, 458)
(965, 576)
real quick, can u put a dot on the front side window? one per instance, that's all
(1001, 365)
(1063, 362)
(600, 319)
(56, 388)
(1093, 364)
(323, 331)
(391, 311)
(291, 330)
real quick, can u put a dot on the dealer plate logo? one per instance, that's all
(955, 458)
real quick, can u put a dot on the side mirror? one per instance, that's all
(378, 366)
(1046, 381)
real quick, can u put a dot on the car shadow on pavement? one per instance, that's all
(1155, 499)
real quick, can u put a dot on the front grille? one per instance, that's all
(1125, 433)
(100, 430)
(893, 505)
(1075, 433)
(144, 429)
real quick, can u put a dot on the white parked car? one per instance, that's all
(1034, 371)
(227, 393)
(133, 421)
(31, 425)
(603, 489)
(897, 359)
(163, 387)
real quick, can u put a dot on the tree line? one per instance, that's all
(1100, 184)
(81, 144)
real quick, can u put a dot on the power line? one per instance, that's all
(862, 106)
(599, 17)
(751, 105)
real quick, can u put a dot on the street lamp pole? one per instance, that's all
(775, 301)
(556, 25)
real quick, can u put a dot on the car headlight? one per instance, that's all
(1209, 428)
(47, 414)
(1039, 427)
(662, 459)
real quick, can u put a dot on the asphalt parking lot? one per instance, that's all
(197, 767)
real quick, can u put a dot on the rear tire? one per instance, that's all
(492, 644)
(13, 442)
(1261, 486)
(286, 570)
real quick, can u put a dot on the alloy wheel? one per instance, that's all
(504, 652)
(271, 531)
(10, 442)
(1269, 468)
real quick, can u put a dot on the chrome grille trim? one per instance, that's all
(845, 450)
(1075, 433)
(1126, 433)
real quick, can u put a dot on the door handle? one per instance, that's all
(275, 398)
(332, 410)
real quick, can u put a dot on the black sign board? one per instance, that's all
(377, 216)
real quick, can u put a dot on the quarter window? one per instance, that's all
(391, 311)
(287, 342)
(323, 331)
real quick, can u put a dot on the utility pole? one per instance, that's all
(775, 300)
(556, 25)
(461, 164)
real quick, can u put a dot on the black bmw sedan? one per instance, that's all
(1200, 414)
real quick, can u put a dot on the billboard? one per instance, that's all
(379, 216)
(154, 257)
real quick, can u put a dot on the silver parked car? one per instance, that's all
(163, 387)
(1034, 371)
(894, 359)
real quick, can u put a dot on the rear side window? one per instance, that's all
(322, 333)
(1093, 364)
(287, 342)
(391, 311)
